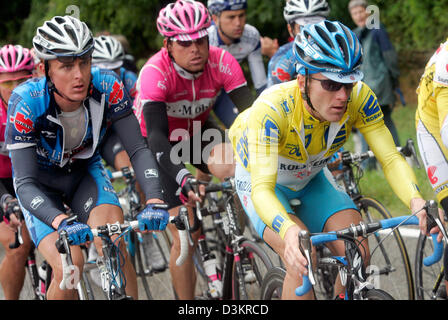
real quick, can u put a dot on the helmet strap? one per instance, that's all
(306, 94)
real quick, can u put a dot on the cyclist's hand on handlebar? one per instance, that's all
(77, 233)
(153, 218)
(416, 205)
(11, 209)
(293, 256)
(188, 195)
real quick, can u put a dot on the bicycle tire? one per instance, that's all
(391, 280)
(428, 280)
(86, 287)
(141, 270)
(377, 294)
(256, 263)
(272, 285)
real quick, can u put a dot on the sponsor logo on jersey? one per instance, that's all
(22, 123)
(371, 110)
(277, 223)
(270, 132)
(36, 202)
(431, 175)
(117, 93)
(88, 204)
(282, 75)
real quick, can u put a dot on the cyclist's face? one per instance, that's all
(330, 105)
(231, 23)
(71, 79)
(190, 55)
(359, 15)
(10, 80)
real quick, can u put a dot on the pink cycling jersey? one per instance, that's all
(187, 97)
(5, 162)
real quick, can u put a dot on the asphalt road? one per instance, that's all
(160, 283)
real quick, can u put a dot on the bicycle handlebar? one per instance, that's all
(408, 151)
(109, 229)
(18, 240)
(365, 229)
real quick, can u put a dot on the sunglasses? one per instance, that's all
(188, 43)
(330, 85)
(69, 58)
(10, 84)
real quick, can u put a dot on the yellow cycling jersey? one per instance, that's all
(279, 142)
(433, 91)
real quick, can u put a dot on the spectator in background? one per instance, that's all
(380, 65)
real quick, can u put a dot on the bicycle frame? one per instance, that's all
(356, 275)
(233, 239)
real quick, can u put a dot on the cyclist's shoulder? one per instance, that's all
(279, 100)
(437, 66)
(33, 94)
(251, 32)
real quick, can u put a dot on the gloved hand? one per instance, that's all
(186, 187)
(78, 233)
(153, 218)
(10, 206)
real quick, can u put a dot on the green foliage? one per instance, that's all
(413, 25)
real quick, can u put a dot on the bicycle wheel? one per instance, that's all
(272, 285)
(140, 270)
(255, 264)
(389, 264)
(429, 281)
(377, 294)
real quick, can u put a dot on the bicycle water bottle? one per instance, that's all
(211, 269)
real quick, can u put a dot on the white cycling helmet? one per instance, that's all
(295, 9)
(62, 37)
(108, 53)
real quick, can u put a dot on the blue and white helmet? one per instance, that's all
(217, 6)
(329, 48)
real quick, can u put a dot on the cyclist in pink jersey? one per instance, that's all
(176, 91)
(16, 66)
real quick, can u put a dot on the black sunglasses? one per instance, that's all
(330, 85)
(69, 58)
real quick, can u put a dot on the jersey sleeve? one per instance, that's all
(20, 128)
(152, 84)
(231, 74)
(264, 135)
(256, 65)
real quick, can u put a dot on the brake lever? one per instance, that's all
(305, 248)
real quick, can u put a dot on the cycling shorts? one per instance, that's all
(312, 211)
(434, 156)
(82, 191)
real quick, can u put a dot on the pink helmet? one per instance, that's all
(184, 20)
(15, 58)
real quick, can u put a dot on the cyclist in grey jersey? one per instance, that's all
(230, 32)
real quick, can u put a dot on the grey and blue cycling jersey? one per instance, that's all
(282, 66)
(247, 47)
(35, 139)
(129, 79)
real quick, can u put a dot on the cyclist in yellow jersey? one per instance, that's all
(432, 126)
(284, 141)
